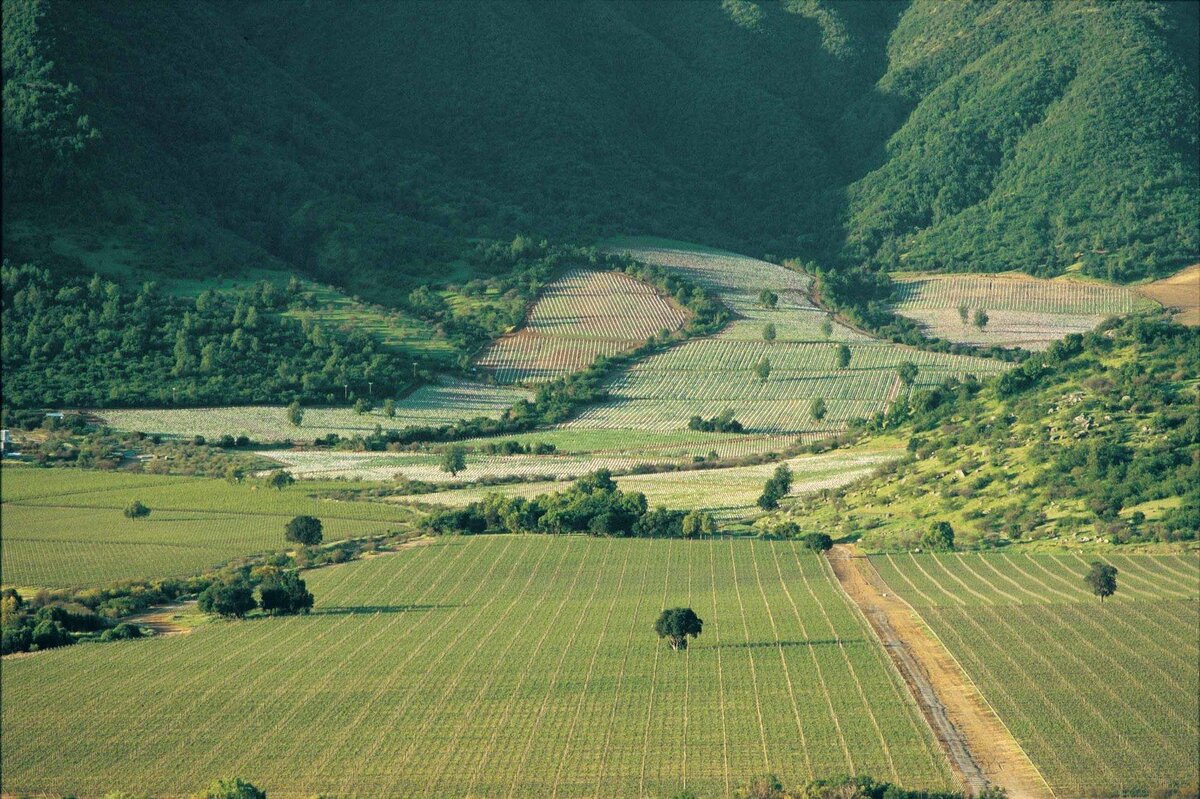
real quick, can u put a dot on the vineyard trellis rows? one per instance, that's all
(433, 404)
(576, 318)
(63, 527)
(493, 666)
(1023, 311)
(1104, 698)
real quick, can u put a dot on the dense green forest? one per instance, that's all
(374, 146)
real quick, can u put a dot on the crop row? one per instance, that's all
(1031, 330)
(1104, 698)
(1012, 294)
(528, 357)
(491, 667)
(586, 303)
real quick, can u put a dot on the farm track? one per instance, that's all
(979, 746)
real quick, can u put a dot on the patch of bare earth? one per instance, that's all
(981, 749)
(1180, 292)
(165, 619)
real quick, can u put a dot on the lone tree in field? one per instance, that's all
(981, 318)
(768, 332)
(964, 313)
(817, 409)
(676, 624)
(136, 510)
(285, 593)
(280, 480)
(304, 530)
(1102, 579)
(827, 327)
(843, 356)
(939, 538)
(907, 372)
(762, 369)
(768, 298)
(454, 459)
(295, 413)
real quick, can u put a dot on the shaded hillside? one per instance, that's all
(372, 144)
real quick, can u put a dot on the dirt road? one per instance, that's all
(980, 747)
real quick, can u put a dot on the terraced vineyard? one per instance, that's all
(490, 667)
(1105, 699)
(706, 376)
(1023, 311)
(64, 527)
(577, 317)
(432, 404)
(728, 492)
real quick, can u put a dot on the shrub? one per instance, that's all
(136, 510)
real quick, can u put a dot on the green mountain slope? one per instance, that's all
(372, 145)
(1097, 438)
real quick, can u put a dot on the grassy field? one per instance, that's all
(729, 492)
(1023, 311)
(64, 527)
(491, 667)
(428, 405)
(583, 314)
(1104, 698)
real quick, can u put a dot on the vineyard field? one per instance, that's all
(728, 492)
(65, 527)
(493, 666)
(577, 317)
(1103, 697)
(1022, 311)
(433, 404)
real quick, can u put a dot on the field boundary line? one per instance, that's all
(849, 563)
(762, 730)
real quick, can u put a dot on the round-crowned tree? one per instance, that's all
(1102, 579)
(304, 530)
(677, 625)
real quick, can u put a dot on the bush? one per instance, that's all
(818, 542)
(232, 788)
(136, 510)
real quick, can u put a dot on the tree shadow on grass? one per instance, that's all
(368, 610)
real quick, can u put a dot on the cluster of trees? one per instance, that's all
(89, 342)
(860, 787)
(723, 422)
(513, 447)
(593, 505)
(281, 592)
(776, 488)
(47, 623)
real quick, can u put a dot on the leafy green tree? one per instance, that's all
(768, 332)
(48, 634)
(827, 327)
(304, 530)
(677, 625)
(762, 369)
(136, 510)
(907, 373)
(818, 542)
(817, 408)
(361, 406)
(776, 488)
(295, 413)
(964, 313)
(939, 537)
(232, 788)
(981, 318)
(285, 593)
(768, 298)
(279, 479)
(454, 459)
(389, 408)
(698, 523)
(843, 356)
(231, 598)
(1102, 579)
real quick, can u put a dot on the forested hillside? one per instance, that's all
(372, 145)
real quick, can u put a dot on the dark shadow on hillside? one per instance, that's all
(367, 610)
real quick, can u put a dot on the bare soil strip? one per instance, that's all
(1180, 293)
(981, 749)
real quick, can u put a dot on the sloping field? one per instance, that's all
(1105, 699)
(1022, 311)
(63, 527)
(706, 376)
(506, 666)
(726, 492)
(433, 404)
(1179, 292)
(583, 314)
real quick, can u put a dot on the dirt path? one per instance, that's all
(981, 749)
